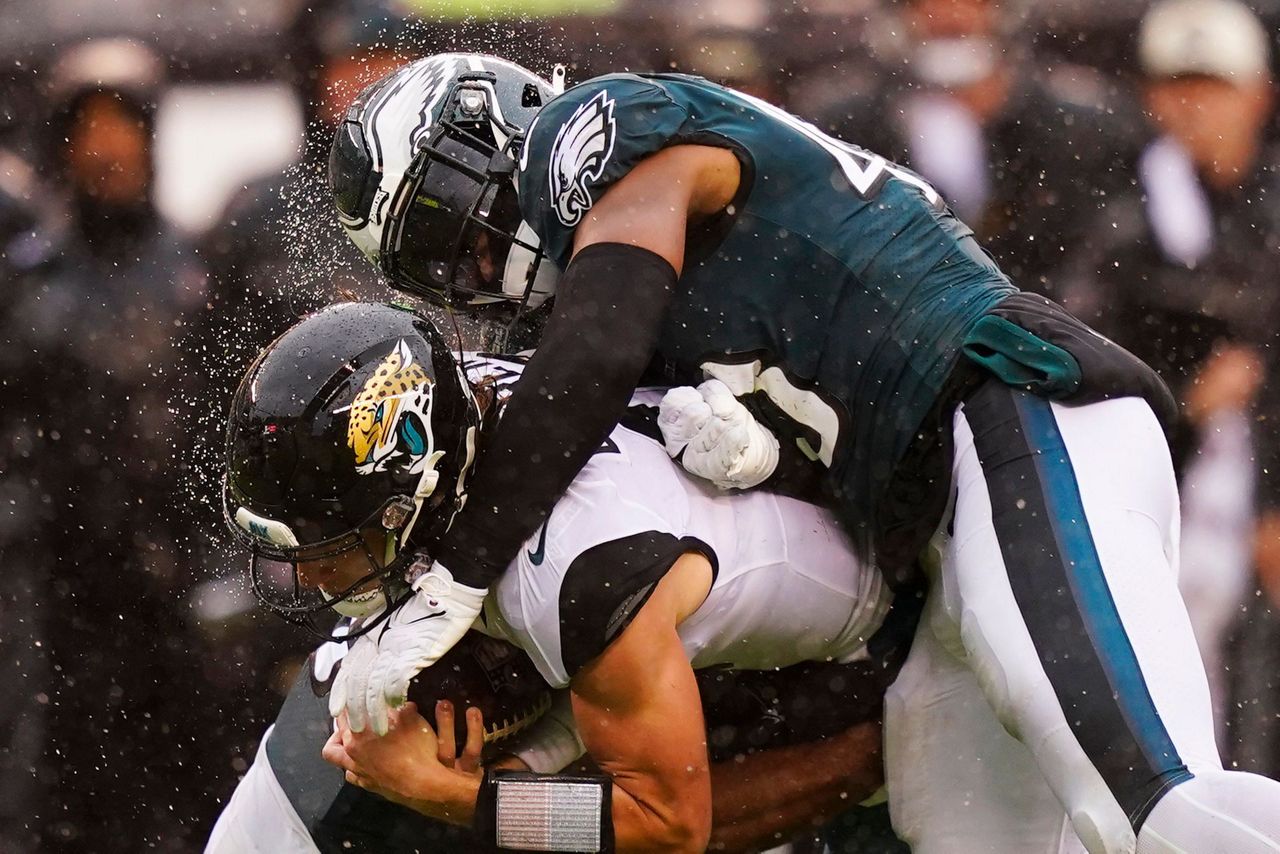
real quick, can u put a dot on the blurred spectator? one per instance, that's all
(732, 59)
(90, 321)
(1182, 271)
(1021, 156)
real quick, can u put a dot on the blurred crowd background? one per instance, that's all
(163, 216)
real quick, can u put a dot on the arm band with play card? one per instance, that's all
(523, 811)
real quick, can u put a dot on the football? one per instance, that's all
(492, 675)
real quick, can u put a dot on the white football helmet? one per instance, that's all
(422, 171)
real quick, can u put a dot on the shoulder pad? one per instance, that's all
(584, 141)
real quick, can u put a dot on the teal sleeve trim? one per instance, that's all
(1022, 359)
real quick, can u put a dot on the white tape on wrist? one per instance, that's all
(552, 743)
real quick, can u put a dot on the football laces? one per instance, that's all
(509, 727)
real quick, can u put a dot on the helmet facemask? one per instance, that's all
(454, 224)
(282, 587)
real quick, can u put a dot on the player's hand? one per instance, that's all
(715, 437)
(468, 761)
(681, 414)
(376, 672)
(410, 765)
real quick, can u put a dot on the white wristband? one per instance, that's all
(552, 742)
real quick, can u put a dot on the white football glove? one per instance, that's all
(375, 674)
(720, 438)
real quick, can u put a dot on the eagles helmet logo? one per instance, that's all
(436, 79)
(390, 420)
(581, 151)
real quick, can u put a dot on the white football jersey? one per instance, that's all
(787, 586)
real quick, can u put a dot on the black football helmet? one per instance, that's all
(354, 430)
(422, 171)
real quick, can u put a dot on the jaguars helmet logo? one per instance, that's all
(390, 420)
(579, 155)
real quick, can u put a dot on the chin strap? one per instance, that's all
(389, 551)
(430, 478)
(426, 486)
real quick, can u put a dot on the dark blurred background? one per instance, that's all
(163, 216)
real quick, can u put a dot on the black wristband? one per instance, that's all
(484, 821)
(523, 811)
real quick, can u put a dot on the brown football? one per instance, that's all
(493, 675)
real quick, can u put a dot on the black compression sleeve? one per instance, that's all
(604, 328)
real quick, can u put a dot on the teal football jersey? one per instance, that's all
(837, 283)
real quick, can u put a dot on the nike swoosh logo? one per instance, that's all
(536, 556)
(427, 617)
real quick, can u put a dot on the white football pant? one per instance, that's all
(1057, 592)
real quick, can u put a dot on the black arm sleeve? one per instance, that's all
(604, 328)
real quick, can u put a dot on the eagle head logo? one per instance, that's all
(579, 155)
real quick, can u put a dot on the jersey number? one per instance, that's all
(866, 172)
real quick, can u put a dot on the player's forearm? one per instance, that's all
(575, 388)
(769, 795)
(453, 798)
(638, 826)
(774, 826)
(642, 823)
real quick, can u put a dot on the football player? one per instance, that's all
(352, 436)
(291, 802)
(729, 245)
